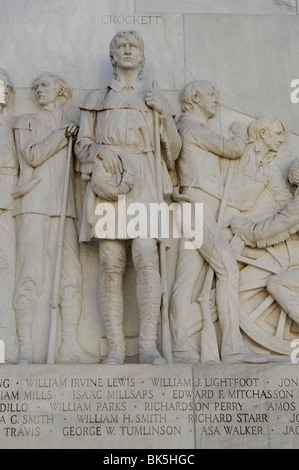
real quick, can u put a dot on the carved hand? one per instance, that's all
(155, 100)
(71, 131)
(238, 129)
(241, 226)
(110, 160)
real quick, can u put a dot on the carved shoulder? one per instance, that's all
(25, 121)
(190, 130)
(94, 100)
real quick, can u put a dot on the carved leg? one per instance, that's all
(284, 288)
(7, 285)
(71, 298)
(146, 264)
(30, 276)
(70, 349)
(24, 327)
(149, 301)
(181, 305)
(112, 267)
(112, 311)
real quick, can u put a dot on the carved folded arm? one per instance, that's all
(270, 231)
(170, 138)
(233, 148)
(86, 148)
(35, 153)
(210, 141)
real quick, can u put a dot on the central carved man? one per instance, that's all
(117, 132)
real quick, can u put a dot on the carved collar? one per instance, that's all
(4, 115)
(189, 117)
(262, 160)
(53, 118)
(119, 87)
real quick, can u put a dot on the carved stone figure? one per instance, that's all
(117, 132)
(201, 180)
(259, 185)
(283, 287)
(41, 141)
(259, 190)
(8, 178)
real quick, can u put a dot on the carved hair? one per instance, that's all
(4, 74)
(189, 92)
(257, 126)
(126, 35)
(64, 91)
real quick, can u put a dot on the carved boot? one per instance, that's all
(24, 326)
(112, 311)
(183, 352)
(149, 302)
(70, 350)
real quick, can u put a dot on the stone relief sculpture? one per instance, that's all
(259, 184)
(245, 274)
(283, 287)
(201, 180)
(116, 138)
(41, 141)
(260, 189)
(8, 177)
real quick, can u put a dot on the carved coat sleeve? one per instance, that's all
(210, 141)
(171, 140)
(273, 230)
(86, 147)
(33, 150)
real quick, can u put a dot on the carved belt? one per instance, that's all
(128, 150)
(8, 171)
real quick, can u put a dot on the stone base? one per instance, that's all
(225, 406)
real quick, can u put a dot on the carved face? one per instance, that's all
(46, 89)
(127, 54)
(5, 89)
(273, 136)
(208, 100)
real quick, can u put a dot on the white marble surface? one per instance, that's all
(252, 60)
(72, 39)
(182, 42)
(149, 407)
(263, 7)
(96, 407)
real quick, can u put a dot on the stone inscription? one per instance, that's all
(258, 407)
(131, 19)
(95, 408)
(224, 406)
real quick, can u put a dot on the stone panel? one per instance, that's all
(252, 407)
(265, 7)
(149, 407)
(251, 59)
(249, 50)
(82, 34)
(94, 407)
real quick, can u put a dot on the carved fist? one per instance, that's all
(110, 160)
(71, 131)
(242, 227)
(155, 100)
(238, 129)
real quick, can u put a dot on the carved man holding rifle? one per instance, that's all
(202, 180)
(117, 133)
(42, 142)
